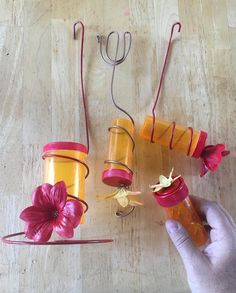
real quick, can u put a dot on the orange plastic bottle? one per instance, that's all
(178, 206)
(184, 140)
(117, 171)
(58, 168)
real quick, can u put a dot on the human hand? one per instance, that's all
(212, 270)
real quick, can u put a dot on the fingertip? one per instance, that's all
(171, 226)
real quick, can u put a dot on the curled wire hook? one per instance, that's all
(115, 60)
(82, 76)
(162, 74)
(122, 214)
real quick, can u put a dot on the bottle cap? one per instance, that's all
(117, 177)
(172, 195)
(65, 145)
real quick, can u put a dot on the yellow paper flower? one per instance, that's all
(124, 197)
(164, 182)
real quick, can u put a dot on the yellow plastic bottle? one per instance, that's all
(178, 206)
(184, 140)
(117, 169)
(60, 164)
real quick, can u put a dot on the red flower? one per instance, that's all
(212, 157)
(49, 211)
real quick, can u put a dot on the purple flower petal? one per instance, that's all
(204, 169)
(73, 210)
(50, 211)
(64, 227)
(39, 232)
(41, 196)
(212, 157)
(36, 214)
(58, 195)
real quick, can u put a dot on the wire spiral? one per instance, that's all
(172, 136)
(45, 155)
(133, 147)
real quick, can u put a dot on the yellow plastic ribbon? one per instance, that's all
(164, 182)
(124, 197)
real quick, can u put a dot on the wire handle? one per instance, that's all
(162, 74)
(82, 76)
(115, 60)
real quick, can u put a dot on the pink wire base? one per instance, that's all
(6, 240)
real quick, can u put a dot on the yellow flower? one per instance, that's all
(164, 182)
(124, 197)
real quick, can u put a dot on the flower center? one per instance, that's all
(55, 214)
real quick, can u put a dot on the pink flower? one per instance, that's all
(51, 211)
(212, 157)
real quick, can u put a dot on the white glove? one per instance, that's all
(212, 270)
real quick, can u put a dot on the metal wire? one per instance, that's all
(45, 155)
(126, 131)
(162, 75)
(190, 129)
(6, 240)
(115, 61)
(122, 214)
(82, 76)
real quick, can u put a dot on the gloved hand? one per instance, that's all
(212, 270)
